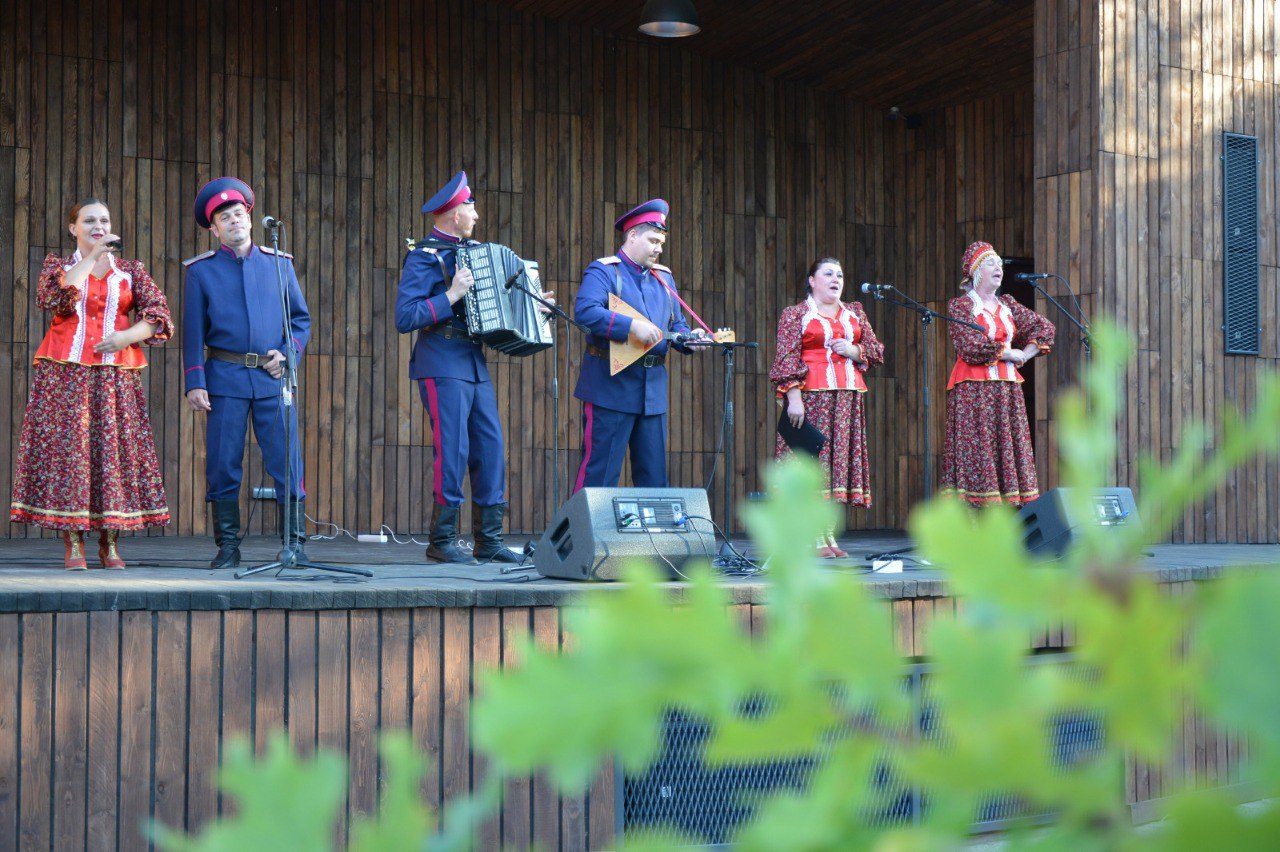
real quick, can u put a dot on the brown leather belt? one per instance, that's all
(450, 332)
(649, 360)
(251, 360)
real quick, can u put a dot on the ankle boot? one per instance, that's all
(486, 528)
(226, 533)
(73, 557)
(108, 553)
(297, 527)
(444, 537)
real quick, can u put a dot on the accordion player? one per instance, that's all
(499, 314)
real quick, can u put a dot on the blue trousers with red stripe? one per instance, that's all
(467, 437)
(608, 434)
(226, 430)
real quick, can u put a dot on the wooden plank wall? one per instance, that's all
(1135, 96)
(117, 719)
(345, 115)
(114, 719)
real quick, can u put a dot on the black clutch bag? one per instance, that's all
(803, 439)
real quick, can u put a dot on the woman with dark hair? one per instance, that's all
(824, 347)
(87, 460)
(987, 457)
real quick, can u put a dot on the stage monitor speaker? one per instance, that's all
(1050, 523)
(598, 529)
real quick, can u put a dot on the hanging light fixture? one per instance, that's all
(669, 18)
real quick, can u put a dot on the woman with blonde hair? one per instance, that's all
(987, 456)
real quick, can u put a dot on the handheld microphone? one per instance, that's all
(1032, 276)
(271, 222)
(116, 246)
(875, 288)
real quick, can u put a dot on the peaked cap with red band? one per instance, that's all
(454, 193)
(652, 212)
(218, 193)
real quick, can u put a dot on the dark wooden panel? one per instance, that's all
(35, 766)
(1076, 135)
(137, 664)
(203, 740)
(172, 632)
(10, 730)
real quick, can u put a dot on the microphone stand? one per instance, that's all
(1083, 326)
(288, 557)
(726, 553)
(927, 316)
(555, 311)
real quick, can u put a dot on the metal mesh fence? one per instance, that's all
(680, 796)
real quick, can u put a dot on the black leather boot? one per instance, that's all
(486, 526)
(297, 527)
(226, 533)
(444, 537)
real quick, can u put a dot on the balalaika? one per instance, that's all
(499, 316)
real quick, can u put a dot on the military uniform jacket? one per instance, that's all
(233, 303)
(421, 305)
(637, 389)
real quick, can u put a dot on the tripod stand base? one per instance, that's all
(283, 562)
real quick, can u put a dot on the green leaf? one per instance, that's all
(281, 801)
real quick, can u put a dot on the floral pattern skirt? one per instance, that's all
(87, 460)
(840, 415)
(987, 456)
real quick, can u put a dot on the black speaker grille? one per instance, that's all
(680, 797)
(1241, 323)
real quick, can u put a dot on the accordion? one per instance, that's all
(499, 316)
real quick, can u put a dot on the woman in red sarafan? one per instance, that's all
(87, 460)
(987, 456)
(824, 347)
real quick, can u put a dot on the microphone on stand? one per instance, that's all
(271, 222)
(875, 288)
(1032, 276)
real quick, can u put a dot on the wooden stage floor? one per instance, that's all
(167, 573)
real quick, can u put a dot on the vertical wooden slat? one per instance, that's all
(427, 707)
(204, 727)
(11, 744)
(170, 734)
(333, 684)
(363, 722)
(35, 776)
(136, 707)
(237, 685)
(70, 735)
(455, 749)
(301, 696)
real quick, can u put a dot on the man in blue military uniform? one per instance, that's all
(233, 352)
(453, 380)
(629, 409)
